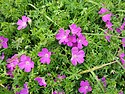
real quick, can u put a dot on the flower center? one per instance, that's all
(46, 55)
(24, 23)
(86, 87)
(64, 37)
(74, 56)
(79, 40)
(12, 64)
(27, 62)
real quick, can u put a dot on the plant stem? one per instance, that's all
(96, 67)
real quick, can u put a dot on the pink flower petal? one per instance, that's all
(103, 10)
(19, 22)
(19, 27)
(23, 58)
(106, 17)
(27, 69)
(74, 62)
(74, 50)
(24, 19)
(21, 65)
(24, 26)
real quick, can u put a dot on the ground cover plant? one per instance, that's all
(62, 46)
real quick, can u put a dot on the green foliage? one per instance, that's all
(47, 17)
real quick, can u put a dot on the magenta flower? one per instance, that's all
(24, 90)
(10, 73)
(103, 10)
(12, 62)
(62, 36)
(3, 42)
(71, 40)
(26, 63)
(2, 56)
(55, 80)
(123, 42)
(122, 59)
(104, 81)
(121, 92)
(45, 56)
(118, 30)
(107, 37)
(85, 87)
(107, 17)
(109, 25)
(77, 56)
(23, 23)
(57, 92)
(61, 77)
(75, 30)
(41, 81)
(122, 26)
(81, 40)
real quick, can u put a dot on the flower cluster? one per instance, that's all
(85, 87)
(3, 42)
(75, 39)
(24, 63)
(107, 19)
(23, 23)
(71, 37)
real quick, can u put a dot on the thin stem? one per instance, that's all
(2, 50)
(34, 7)
(96, 67)
(1, 85)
